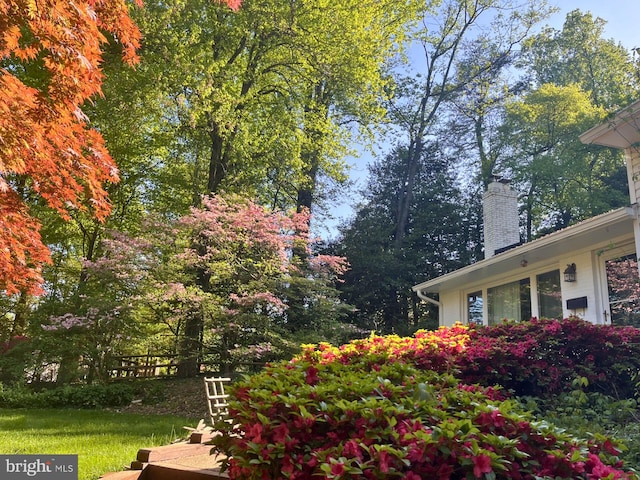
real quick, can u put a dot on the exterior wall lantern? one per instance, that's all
(570, 273)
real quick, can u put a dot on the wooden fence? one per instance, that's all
(158, 365)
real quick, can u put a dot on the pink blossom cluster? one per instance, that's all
(258, 351)
(67, 322)
(259, 300)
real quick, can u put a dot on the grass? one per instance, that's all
(104, 441)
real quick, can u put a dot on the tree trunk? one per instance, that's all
(218, 160)
(69, 370)
(316, 111)
(190, 344)
(487, 163)
(306, 193)
(528, 213)
(190, 347)
(405, 199)
(21, 312)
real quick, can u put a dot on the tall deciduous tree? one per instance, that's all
(421, 97)
(562, 180)
(50, 54)
(262, 101)
(579, 54)
(577, 78)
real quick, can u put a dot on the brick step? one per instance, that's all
(169, 452)
(124, 475)
(202, 437)
(170, 471)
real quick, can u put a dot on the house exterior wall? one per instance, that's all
(584, 286)
(632, 158)
(453, 306)
(591, 282)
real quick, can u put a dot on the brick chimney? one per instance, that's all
(500, 216)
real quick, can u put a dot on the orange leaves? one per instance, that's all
(21, 250)
(10, 38)
(232, 4)
(44, 136)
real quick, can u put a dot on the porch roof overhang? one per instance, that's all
(621, 131)
(594, 231)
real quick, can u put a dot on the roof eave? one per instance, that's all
(621, 131)
(601, 221)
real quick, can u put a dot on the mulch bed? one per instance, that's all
(180, 397)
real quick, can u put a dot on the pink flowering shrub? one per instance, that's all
(392, 407)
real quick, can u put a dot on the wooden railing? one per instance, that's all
(134, 366)
(159, 365)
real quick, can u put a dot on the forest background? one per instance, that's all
(231, 136)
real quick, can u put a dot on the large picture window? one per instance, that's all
(549, 295)
(511, 301)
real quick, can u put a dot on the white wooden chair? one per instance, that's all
(217, 400)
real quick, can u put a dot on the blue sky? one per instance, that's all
(623, 25)
(622, 16)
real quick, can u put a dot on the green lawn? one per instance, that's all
(104, 441)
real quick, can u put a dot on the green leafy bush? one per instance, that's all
(91, 396)
(76, 396)
(19, 396)
(395, 407)
(14, 355)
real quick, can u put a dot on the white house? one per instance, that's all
(588, 269)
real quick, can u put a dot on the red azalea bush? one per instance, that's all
(395, 407)
(543, 357)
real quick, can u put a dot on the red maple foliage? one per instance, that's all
(46, 145)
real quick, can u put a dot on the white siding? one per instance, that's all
(590, 282)
(584, 286)
(452, 308)
(632, 156)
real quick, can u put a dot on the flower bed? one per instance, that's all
(391, 407)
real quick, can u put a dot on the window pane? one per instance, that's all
(511, 301)
(474, 307)
(624, 290)
(549, 295)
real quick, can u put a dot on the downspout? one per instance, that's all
(422, 296)
(438, 304)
